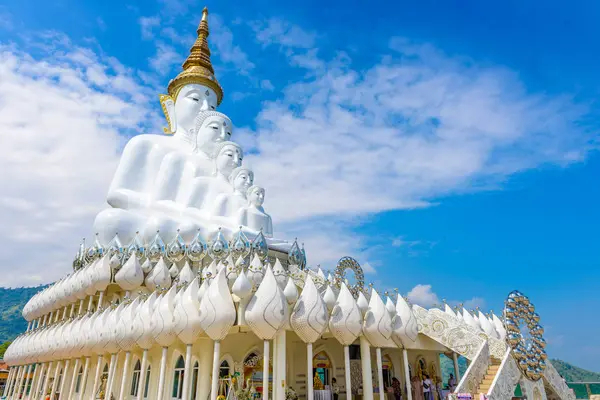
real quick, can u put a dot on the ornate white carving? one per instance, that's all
(448, 331)
(187, 314)
(130, 276)
(163, 321)
(217, 311)
(476, 371)
(404, 323)
(557, 383)
(309, 317)
(377, 326)
(143, 322)
(267, 310)
(506, 379)
(345, 323)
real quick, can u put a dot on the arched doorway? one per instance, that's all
(322, 371)
(177, 391)
(388, 371)
(101, 393)
(224, 376)
(135, 379)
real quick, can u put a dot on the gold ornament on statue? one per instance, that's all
(317, 383)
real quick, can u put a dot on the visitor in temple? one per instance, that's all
(427, 389)
(451, 383)
(335, 389)
(396, 388)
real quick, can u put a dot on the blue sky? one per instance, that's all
(449, 146)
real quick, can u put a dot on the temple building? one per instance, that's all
(186, 293)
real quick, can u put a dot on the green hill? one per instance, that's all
(12, 302)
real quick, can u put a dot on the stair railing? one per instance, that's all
(506, 379)
(476, 371)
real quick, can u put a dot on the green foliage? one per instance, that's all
(575, 374)
(3, 348)
(12, 302)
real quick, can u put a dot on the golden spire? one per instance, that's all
(198, 68)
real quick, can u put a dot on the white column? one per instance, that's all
(63, 383)
(142, 382)
(456, 370)
(15, 385)
(34, 380)
(204, 367)
(112, 366)
(55, 381)
(100, 299)
(86, 369)
(125, 375)
(163, 371)
(266, 356)
(380, 373)
(39, 382)
(47, 380)
(15, 381)
(11, 373)
(187, 372)
(73, 379)
(347, 372)
(214, 387)
(407, 374)
(281, 364)
(275, 392)
(97, 376)
(309, 372)
(365, 361)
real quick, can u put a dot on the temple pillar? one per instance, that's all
(365, 361)
(456, 370)
(205, 368)
(11, 372)
(407, 374)
(281, 348)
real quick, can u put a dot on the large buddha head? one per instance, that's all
(195, 89)
(241, 179)
(227, 157)
(212, 127)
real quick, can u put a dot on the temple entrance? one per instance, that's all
(388, 371)
(321, 371)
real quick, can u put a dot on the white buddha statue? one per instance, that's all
(253, 216)
(193, 94)
(226, 205)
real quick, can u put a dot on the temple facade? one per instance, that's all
(186, 293)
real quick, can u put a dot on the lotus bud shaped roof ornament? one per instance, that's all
(260, 247)
(176, 250)
(136, 247)
(240, 245)
(96, 251)
(156, 249)
(295, 256)
(218, 249)
(197, 249)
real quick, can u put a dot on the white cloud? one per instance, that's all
(402, 134)
(276, 31)
(423, 296)
(148, 24)
(474, 303)
(165, 59)
(222, 39)
(60, 126)
(267, 85)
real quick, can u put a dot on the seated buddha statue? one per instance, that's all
(253, 216)
(153, 171)
(226, 205)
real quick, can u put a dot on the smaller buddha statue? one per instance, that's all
(253, 215)
(227, 204)
(317, 383)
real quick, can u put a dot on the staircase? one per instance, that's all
(486, 383)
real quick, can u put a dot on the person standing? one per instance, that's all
(335, 389)
(451, 383)
(397, 389)
(427, 389)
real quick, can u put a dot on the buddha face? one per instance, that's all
(229, 157)
(192, 99)
(243, 180)
(257, 196)
(213, 128)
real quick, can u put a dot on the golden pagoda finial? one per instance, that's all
(198, 68)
